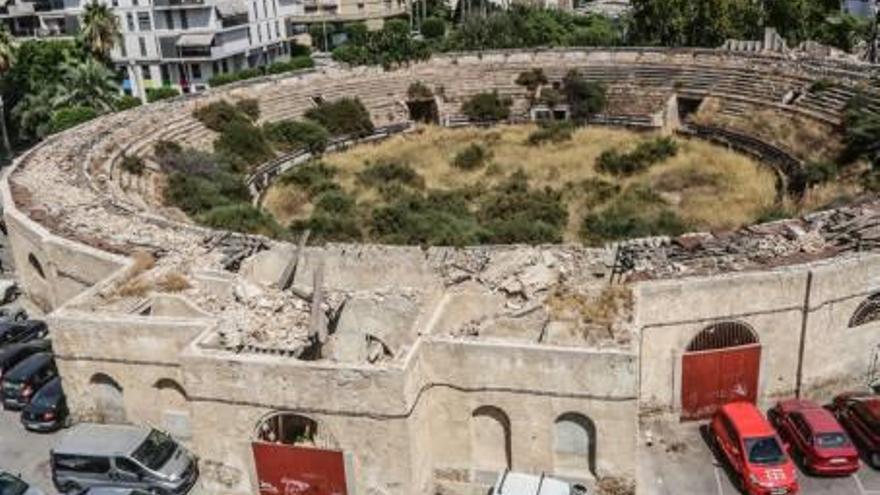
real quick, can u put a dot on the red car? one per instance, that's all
(754, 451)
(815, 437)
(859, 413)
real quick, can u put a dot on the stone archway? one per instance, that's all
(490, 440)
(108, 399)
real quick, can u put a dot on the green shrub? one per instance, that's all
(68, 117)
(820, 172)
(584, 98)
(250, 107)
(291, 134)
(622, 221)
(244, 143)
(164, 148)
(531, 79)
(551, 133)
(439, 218)
(314, 177)
(345, 116)
(161, 93)
(297, 50)
(241, 217)
(820, 85)
(472, 157)
(132, 164)
(333, 219)
(483, 107)
(513, 212)
(593, 191)
(294, 63)
(126, 102)
(384, 173)
(231, 77)
(220, 114)
(195, 194)
(774, 213)
(433, 28)
(645, 155)
(418, 91)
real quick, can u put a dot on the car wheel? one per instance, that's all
(71, 488)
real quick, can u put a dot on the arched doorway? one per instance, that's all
(574, 446)
(490, 439)
(108, 399)
(297, 454)
(720, 365)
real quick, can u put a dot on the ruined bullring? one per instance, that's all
(431, 369)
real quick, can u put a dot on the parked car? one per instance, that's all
(47, 410)
(815, 437)
(511, 483)
(26, 378)
(16, 353)
(107, 490)
(93, 456)
(753, 450)
(22, 331)
(12, 312)
(859, 413)
(13, 485)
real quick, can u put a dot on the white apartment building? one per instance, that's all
(184, 43)
(863, 8)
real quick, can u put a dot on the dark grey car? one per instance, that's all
(92, 456)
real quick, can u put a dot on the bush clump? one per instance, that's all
(127, 101)
(816, 173)
(244, 144)
(220, 114)
(289, 135)
(314, 177)
(585, 98)
(161, 93)
(532, 79)
(640, 159)
(418, 91)
(433, 28)
(472, 157)
(334, 218)
(637, 212)
(485, 107)
(554, 132)
(133, 164)
(68, 117)
(250, 107)
(241, 217)
(195, 194)
(439, 218)
(512, 212)
(384, 174)
(345, 116)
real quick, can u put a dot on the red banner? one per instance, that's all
(289, 470)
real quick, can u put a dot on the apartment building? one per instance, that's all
(864, 8)
(184, 43)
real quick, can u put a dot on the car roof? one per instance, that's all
(871, 402)
(821, 421)
(95, 439)
(10, 350)
(30, 364)
(747, 419)
(53, 386)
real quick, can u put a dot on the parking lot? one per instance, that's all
(25, 453)
(679, 461)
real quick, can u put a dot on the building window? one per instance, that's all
(145, 73)
(225, 67)
(134, 2)
(260, 33)
(142, 43)
(215, 68)
(184, 21)
(169, 20)
(250, 38)
(129, 20)
(144, 23)
(256, 13)
(122, 49)
(265, 9)
(166, 75)
(361, 6)
(274, 8)
(196, 71)
(116, 3)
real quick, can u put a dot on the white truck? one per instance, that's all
(511, 483)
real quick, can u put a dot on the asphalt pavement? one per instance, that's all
(24, 453)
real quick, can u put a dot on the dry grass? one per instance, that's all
(173, 282)
(133, 283)
(603, 311)
(136, 287)
(809, 139)
(709, 186)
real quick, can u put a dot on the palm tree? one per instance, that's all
(100, 29)
(7, 58)
(88, 84)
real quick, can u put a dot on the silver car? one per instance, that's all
(91, 456)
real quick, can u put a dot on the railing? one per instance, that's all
(260, 180)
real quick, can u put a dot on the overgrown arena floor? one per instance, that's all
(701, 187)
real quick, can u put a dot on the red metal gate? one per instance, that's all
(710, 379)
(288, 470)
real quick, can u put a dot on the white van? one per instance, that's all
(510, 483)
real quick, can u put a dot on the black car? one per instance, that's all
(22, 331)
(47, 410)
(13, 485)
(16, 353)
(26, 378)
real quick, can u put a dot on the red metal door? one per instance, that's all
(710, 379)
(288, 470)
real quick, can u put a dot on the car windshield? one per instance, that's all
(764, 450)
(831, 440)
(10, 485)
(46, 397)
(155, 451)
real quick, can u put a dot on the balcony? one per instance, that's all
(178, 3)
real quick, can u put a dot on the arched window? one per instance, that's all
(868, 311)
(108, 399)
(36, 265)
(293, 429)
(722, 335)
(490, 439)
(574, 448)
